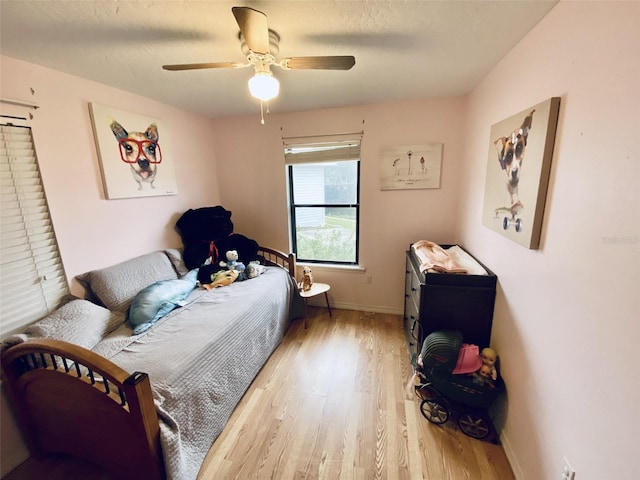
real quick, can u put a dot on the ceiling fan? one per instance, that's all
(260, 45)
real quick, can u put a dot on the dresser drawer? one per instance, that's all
(412, 284)
(441, 301)
(412, 327)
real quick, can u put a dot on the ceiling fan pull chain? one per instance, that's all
(261, 113)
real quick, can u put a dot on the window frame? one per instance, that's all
(292, 217)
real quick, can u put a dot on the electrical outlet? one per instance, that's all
(568, 473)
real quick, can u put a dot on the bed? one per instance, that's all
(150, 405)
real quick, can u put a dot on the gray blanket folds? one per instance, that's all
(202, 357)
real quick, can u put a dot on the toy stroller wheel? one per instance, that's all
(505, 223)
(518, 225)
(434, 412)
(473, 426)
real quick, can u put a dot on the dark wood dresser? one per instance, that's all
(443, 301)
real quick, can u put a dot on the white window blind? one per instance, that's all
(322, 148)
(32, 278)
(322, 152)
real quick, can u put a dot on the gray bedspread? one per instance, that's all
(202, 357)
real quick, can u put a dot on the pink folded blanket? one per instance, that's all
(433, 257)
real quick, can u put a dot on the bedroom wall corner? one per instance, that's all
(566, 315)
(253, 186)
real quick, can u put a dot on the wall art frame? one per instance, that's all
(518, 169)
(134, 152)
(411, 167)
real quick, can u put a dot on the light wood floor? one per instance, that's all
(331, 403)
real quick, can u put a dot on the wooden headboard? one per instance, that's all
(271, 256)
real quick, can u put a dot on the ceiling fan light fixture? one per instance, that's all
(264, 86)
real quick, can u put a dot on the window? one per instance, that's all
(32, 280)
(324, 201)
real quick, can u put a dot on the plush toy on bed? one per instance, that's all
(155, 301)
(232, 263)
(254, 269)
(221, 278)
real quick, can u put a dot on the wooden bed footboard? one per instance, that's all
(71, 400)
(271, 256)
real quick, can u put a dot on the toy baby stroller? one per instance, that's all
(444, 393)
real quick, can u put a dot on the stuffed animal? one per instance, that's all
(199, 229)
(489, 357)
(222, 279)
(307, 279)
(232, 263)
(254, 269)
(157, 300)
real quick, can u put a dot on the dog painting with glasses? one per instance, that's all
(140, 150)
(133, 161)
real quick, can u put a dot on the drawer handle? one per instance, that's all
(413, 326)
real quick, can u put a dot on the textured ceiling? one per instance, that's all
(403, 49)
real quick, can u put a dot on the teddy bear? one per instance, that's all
(232, 263)
(307, 279)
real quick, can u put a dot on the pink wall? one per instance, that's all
(567, 315)
(253, 185)
(93, 232)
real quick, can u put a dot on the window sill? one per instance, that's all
(327, 267)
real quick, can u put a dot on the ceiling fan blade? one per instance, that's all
(199, 66)
(320, 63)
(254, 28)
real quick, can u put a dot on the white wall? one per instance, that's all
(567, 319)
(253, 186)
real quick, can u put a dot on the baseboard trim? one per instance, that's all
(504, 441)
(511, 456)
(320, 302)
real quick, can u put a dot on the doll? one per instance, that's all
(483, 376)
(489, 358)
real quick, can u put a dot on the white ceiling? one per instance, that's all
(403, 49)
